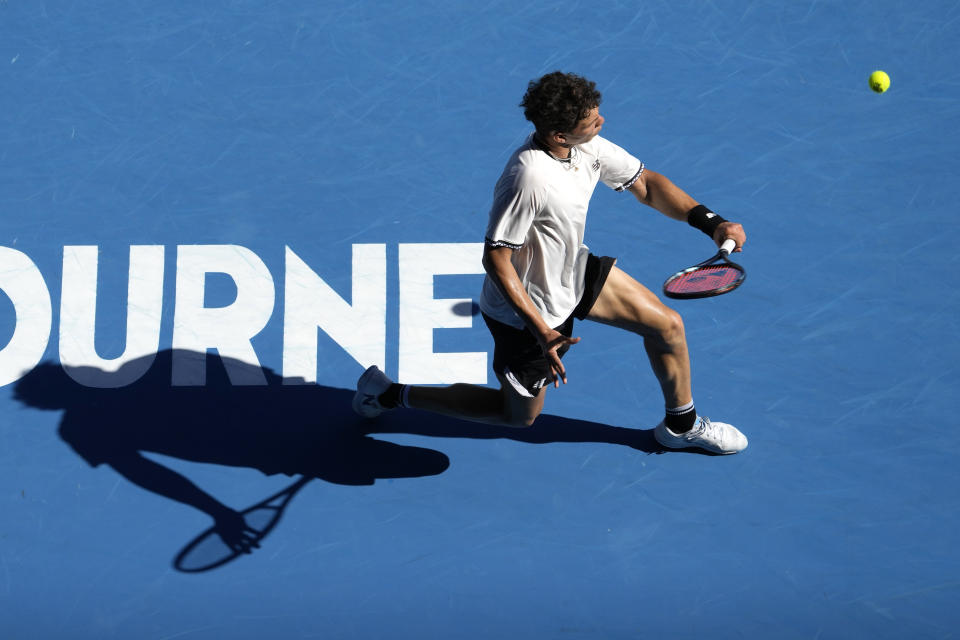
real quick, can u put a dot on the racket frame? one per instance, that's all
(721, 256)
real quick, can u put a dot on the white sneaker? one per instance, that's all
(371, 384)
(716, 437)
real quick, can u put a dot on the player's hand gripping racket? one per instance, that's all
(709, 278)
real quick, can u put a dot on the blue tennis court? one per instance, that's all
(215, 215)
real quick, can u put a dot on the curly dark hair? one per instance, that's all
(557, 101)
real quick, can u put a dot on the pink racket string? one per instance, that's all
(709, 278)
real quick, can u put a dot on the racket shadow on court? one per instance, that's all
(304, 431)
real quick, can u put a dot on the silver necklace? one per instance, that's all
(570, 162)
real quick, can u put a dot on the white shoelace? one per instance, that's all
(707, 428)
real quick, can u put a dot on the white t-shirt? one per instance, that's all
(540, 210)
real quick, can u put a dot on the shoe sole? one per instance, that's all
(674, 447)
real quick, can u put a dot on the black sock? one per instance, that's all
(392, 397)
(681, 419)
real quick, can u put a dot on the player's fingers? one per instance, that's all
(740, 239)
(730, 231)
(739, 245)
(561, 372)
(735, 231)
(556, 368)
(552, 372)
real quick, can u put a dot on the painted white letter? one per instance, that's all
(78, 315)
(23, 283)
(358, 327)
(227, 329)
(420, 314)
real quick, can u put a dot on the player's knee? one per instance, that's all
(521, 420)
(528, 421)
(672, 331)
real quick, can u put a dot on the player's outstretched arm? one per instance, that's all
(152, 476)
(656, 190)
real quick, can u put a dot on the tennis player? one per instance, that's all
(541, 276)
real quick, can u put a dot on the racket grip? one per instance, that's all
(728, 245)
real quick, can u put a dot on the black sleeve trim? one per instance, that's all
(502, 243)
(629, 183)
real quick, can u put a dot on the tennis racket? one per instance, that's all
(709, 278)
(210, 549)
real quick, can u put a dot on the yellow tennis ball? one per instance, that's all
(879, 81)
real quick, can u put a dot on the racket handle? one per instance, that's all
(728, 245)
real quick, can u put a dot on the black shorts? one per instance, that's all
(517, 354)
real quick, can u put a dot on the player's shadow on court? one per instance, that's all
(298, 430)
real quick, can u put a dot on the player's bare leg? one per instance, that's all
(503, 406)
(376, 393)
(627, 304)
